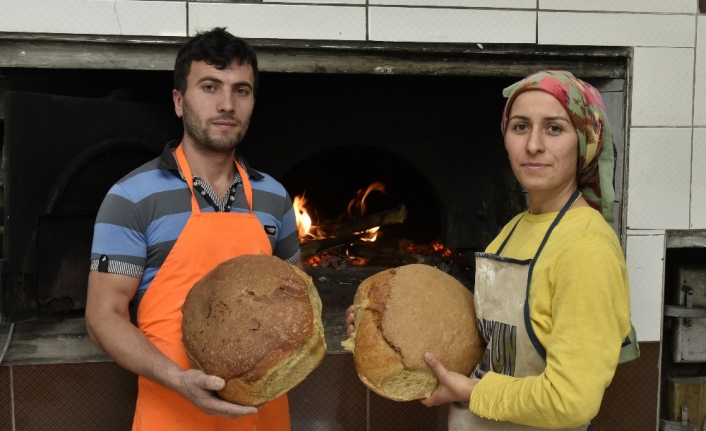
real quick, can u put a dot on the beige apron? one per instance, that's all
(502, 309)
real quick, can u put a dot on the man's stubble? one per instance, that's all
(203, 141)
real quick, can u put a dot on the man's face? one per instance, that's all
(216, 106)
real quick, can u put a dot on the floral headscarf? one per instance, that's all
(587, 112)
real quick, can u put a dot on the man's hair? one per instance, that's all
(217, 48)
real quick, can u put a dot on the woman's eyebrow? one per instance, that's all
(557, 117)
(552, 118)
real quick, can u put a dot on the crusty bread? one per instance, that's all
(404, 312)
(254, 321)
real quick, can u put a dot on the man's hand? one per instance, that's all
(198, 388)
(452, 386)
(349, 321)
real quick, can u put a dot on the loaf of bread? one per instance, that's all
(404, 312)
(254, 321)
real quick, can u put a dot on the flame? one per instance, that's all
(308, 231)
(358, 202)
(302, 215)
(372, 234)
(305, 226)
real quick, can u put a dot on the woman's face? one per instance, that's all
(542, 143)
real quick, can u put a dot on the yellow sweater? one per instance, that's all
(580, 312)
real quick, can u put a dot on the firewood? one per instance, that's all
(383, 256)
(349, 227)
(346, 231)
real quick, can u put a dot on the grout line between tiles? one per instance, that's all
(12, 399)
(536, 25)
(367, 409)
(367, 19)
(515, 9)
(662, 127)
(618, 12)
(693, 116)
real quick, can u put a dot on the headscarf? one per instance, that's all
(587, 112)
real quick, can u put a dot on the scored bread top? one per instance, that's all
(428, 311)
(246, 316)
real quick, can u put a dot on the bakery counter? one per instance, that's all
(63, 338)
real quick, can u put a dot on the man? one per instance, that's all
(169, 222)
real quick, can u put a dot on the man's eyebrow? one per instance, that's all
(209, 78)
(243, 84)
(219, 81)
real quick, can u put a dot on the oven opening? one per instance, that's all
(426, 148)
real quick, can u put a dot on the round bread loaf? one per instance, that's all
(254, 321)
(402, 313)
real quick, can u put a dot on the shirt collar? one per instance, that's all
(167, 161)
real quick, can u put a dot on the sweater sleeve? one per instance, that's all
(590, 319)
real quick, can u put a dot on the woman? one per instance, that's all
(551, 291)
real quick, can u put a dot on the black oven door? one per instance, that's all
(60, 157)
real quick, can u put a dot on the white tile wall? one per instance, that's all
(495, 4)
(700, 75)
(619, 29)
(663, 82)
(645, 261)
(698, 180)
(659, 178)
(159, 18)
(673, 6)
(252, 20)
(399, 24)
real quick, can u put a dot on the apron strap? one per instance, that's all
(556, 221)
(247, 188)
(528, 324)
(184, 166)
(186, 171)
(507, 238)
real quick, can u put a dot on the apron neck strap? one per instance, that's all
(184, 166)
(247, 188)
(556, 221)
(559, 216)
(507, 238)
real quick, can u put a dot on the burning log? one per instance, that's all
(346, 231)
(349, 227)
(312, 248)
(386, 257)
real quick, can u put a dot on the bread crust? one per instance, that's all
(254, 321)
(402, 313)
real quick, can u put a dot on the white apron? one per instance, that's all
(502, 309)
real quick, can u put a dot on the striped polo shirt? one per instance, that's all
(144, 213)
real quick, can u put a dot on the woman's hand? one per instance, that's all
(452, 386)
(349, 321)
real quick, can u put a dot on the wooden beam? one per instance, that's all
(358, 57)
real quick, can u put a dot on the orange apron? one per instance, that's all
(207, 240)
